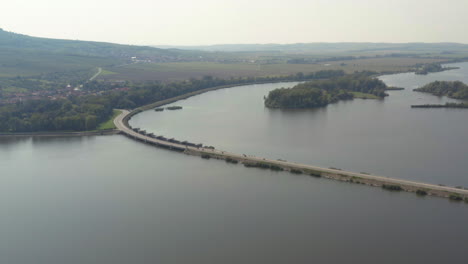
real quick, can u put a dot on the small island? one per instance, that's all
(159, 109)
(323, 92)
(455, 90)
(433, 67)
(392, 88)
(175, 107)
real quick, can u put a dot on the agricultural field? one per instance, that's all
(167, 72)
(34, 63)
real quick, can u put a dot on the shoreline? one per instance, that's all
(182, 97)
(188, 95)
(62, 134)
(386, 183)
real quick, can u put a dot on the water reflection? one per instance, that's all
(6, 142)
(61, 140)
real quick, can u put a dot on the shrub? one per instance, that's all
(230, 160)
(205, 156)
(174, 107)
(295, 171)
(455, 197)
(263, 166)
(276, 168)
(258, 165)
(392, 187)
(421, 192)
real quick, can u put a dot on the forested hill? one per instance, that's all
(457, 89)
(24, 55)
(77, 47)
(323, 92)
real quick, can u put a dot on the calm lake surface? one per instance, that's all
(383, 137)
(113, 200)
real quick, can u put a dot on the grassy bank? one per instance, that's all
(364, 95)
(109, 124)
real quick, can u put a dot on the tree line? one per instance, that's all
(72, 114)
(87, 112)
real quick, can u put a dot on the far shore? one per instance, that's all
(112, 131)
(62, 134)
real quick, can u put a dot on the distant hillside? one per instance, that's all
(350, 47)
(26, 55)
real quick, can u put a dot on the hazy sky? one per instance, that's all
(194, 22)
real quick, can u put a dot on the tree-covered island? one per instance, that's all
(456, 90)
(319, 93)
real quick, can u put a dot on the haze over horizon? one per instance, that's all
(208, 22)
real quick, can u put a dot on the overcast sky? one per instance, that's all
(197, 22)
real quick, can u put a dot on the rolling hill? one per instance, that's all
(22, 55)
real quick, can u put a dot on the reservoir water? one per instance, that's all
(382, 137)
(113, 200)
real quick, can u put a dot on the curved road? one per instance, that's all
(118, 121)
(96, 75)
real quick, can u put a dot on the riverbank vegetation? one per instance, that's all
(323, 92)
(456, 89)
